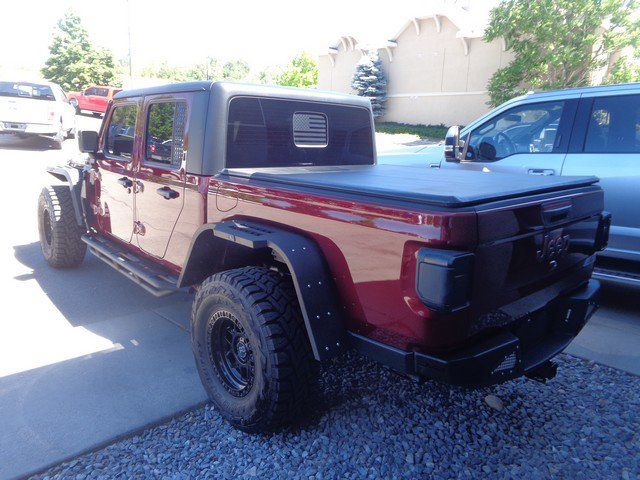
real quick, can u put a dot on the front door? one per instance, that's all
(160, 180)
(115, 204)
(608, 146)
(528, 138)
(101, 99)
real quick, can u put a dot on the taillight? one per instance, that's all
(444, 279)
(52, 115)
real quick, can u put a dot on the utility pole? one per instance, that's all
(129, 34)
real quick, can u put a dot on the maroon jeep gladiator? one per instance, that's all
(268, 203)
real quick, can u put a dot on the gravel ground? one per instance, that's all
(371, 423)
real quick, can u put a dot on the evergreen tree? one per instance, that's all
(369, 81)
(73, 62)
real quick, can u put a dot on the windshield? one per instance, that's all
(28, 90)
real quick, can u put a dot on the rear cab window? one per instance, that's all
(614, 125)
(164, 138)
(267, 132)
(120, 131)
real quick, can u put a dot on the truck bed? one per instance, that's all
(430, 186)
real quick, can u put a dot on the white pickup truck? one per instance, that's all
(36, 109)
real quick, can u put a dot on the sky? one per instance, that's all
(264, 33)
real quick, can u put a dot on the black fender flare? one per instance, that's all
(315, 287)
(73, 178)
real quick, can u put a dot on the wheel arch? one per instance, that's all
(72, 177)
(238, 243)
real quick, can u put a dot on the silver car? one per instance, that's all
(582, 131)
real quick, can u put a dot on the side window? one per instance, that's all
(102, 92)
(165, 133)
(121, 131)
(614, 125)
(90, 91)
(524, 129)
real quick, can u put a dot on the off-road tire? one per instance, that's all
(265, 305)
(59, 231)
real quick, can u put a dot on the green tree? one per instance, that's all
(560, 43)
(369, 81)
(168, 72)
(235, 70)
(302, 71)
(73, 61)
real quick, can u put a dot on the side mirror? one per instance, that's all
(452, 144)
(88, 141)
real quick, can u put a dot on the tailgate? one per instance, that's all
(532, 250)
(26, 110)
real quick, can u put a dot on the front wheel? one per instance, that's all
(251, 348)
(59, 231)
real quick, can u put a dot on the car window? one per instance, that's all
(266, 132)
(614, 125)
(529, 128)
(90, 91)
(165, 133)
(102, 92)
(26, 90)
(121, 131)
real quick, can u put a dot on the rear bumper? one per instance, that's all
(19, 128)
(529, 342)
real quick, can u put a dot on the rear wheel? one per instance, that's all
(59, 231)
(251, 348)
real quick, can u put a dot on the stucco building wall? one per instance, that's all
(435, 73)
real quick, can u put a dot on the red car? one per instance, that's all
(269, 204)
(93, 99)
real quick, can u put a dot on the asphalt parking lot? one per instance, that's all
(88, 358)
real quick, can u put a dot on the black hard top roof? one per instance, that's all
(169, 88)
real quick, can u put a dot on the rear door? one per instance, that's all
(114, 208)
(606, 143)
(88, 100)
(161, 175)
(530, 138)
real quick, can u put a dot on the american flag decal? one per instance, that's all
(310, 130)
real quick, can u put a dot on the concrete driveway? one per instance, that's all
(87, 356)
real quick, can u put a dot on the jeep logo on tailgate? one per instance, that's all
(553, 246)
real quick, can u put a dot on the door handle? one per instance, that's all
(125, 182)
(541, 171)
(167, 193)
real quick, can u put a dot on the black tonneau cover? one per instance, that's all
(438, 187)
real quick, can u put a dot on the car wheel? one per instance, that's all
(58, 229)
(251, 348)
(96, 114)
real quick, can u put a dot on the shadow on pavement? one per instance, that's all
(91, 293)
(37, 144)
(94, 358)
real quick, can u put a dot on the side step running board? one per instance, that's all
(149, 277)
(616, 277)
